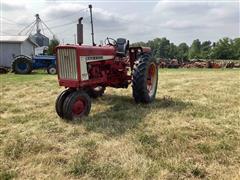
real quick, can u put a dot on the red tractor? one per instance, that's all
(85, 71)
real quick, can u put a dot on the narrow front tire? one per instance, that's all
(76, 105)
(60, 100)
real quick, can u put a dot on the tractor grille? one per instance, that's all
(67, 64)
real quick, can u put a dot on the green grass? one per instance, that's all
(191, 131)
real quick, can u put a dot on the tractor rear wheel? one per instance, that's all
(52, 69)
(76, 105)
(145, 79)
(60, 100)
(96, 92)
(22, 65)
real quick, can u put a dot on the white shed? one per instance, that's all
(11, 46)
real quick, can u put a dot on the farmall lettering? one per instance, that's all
(98, 58)
(86, 59)
(85, 71)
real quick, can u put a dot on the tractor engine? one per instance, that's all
(91, 66)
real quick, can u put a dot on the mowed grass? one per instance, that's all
(191, 131)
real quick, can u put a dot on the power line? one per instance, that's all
(14, 22)
(48, 28)
(9, 24)
(64, 30)
(67, 24)
(31, 26)
(61, 17)
(30, 29)
(60, 25)
(42, 28)
(26, 27)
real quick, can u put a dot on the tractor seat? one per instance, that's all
(122, 47)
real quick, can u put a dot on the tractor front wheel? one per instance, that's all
(145, 79)
(60, 100)
(76, 105)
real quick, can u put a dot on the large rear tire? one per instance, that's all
(96, 92)
(145, 79)
(22, 65)
(76, 105)
(60, 100)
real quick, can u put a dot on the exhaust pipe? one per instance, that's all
(90, 8)
(80, 31)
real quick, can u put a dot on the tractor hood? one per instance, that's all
(86, 50)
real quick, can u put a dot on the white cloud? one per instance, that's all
(186, 20)
(58, 10)
(106, 23)
(196, 14)
(13, 5)
(177, 20)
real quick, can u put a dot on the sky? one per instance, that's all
(177, 20)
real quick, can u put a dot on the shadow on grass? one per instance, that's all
(124, 114)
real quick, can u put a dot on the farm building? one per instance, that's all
(40, 39)
(11, 46)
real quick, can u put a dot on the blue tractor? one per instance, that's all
(23, 64)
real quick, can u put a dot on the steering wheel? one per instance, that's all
(110, 41)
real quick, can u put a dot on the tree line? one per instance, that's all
(225, 48)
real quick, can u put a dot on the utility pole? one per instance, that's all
(75, 41)
(90, 7)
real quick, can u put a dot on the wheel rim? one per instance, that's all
(78, 107)
(22, 66)
(52, 71)
(151, 79)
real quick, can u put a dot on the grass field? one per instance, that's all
(191, 131)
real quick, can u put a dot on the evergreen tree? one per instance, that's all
(52, 45)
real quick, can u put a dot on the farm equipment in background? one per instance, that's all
(24, 64)
(85, 71)
(4, 70)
